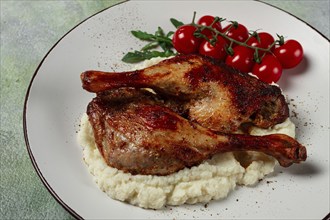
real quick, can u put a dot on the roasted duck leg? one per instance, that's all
(212, 94)
(135, 132)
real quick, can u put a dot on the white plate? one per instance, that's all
(55, 101)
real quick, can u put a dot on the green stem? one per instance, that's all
(253, 34)
(216, 19)
(233, 40)
(193, 20)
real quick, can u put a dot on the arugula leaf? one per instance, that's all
(137, 56)
(176, 23)
(150, 46)
(169, 33)
(166, 40)
(159, 39)
(133, 57)
(163, 45)
(143, 35)
(159, 32)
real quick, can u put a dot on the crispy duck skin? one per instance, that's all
(135, 132)
(213, 95)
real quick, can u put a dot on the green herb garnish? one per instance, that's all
(155, 41)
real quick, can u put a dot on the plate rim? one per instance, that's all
(25, 126)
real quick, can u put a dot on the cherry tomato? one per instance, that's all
(184, 40)
(239, 33)
(289, 54)
(269, 70)
(217, 51)
(242, 59)
(266, 40)
(207, 20)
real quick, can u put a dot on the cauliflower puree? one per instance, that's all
(213, 179)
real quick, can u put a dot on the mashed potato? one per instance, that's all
(213, 179)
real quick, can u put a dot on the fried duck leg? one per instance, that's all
(136, 133)
(212, 94)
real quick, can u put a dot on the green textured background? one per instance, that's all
(28, 30)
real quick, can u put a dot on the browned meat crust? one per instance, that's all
(136, 132)
(197, 107)
(212, 94)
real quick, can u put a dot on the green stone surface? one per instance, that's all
(28, 30)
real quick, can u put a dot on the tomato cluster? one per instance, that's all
(258, 53)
